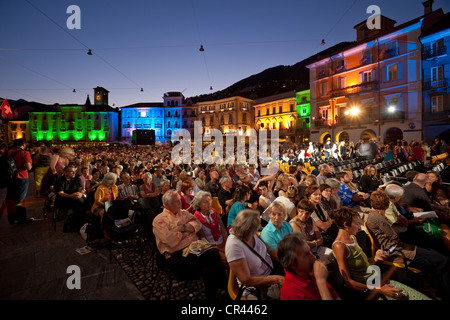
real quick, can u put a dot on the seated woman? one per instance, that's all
(284, 181)
(322, 213)
(147, 189)
(369, 181)
(247, 257)
(212, 225)
(186, 196)
(106, 191)
(353, 262)
(304, 224)
(240, 198)
(276, 229)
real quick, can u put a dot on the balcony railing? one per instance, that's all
(434, 52)
(388, 53)
(357, 88)
(363, 117)
(434, 84)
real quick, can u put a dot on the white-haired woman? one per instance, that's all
(212, 226)
(147, 189)
(106, 191)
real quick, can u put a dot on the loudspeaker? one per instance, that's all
(144, 137)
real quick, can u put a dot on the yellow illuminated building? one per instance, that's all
(229, 115)
(277, 112)
(18, 130)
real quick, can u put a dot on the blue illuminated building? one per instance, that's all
(435, 80)
(163, 117)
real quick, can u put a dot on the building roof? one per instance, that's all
(173, 94)
(365, 21)
(275, 97)
(145, 105)
(442, 24)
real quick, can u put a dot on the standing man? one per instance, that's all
(17, 186)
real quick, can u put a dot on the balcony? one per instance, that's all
(323, 123)
(389, 53)
(429, 52)
(323, 74)
(434, 84)
(355, 89)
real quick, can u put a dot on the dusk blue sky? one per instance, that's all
(155, 44)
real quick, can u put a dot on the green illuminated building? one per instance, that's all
(74, 123)
(304, 115)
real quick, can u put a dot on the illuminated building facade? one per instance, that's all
(302, 130)
(435, 83)
(18, 130)
(163, 117)
(372, 88)
(278, 112)
(229, 115)
(87, 123)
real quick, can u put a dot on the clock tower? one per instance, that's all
(100, 96)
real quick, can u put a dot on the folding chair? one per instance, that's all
(115, 211)
(234, 291)
(215, 204)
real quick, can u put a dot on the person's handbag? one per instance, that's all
(260, 292)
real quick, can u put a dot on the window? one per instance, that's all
(323, 88)
(292, 107)
(274, 110)
(340, 65)
(437, 74)
(392, 72)
(259, 113)
(280, 109)
(366, 76)
(438, 47)
(267, 111)
(391, 49)
(437, 103)
(341, 82)
(244, 117)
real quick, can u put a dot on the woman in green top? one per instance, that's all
(353, 262)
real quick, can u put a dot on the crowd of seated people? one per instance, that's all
(257, 212)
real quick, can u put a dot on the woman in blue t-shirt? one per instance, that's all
(241, 196)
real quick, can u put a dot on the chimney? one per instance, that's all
(427, 7)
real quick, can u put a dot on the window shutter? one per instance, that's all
(400, 70)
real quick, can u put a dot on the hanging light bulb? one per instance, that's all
(74, 90)
(142, 89)
(323, 42)
(201, 48)
(210, 88)
(89, 52)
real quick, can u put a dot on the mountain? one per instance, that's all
(273, 80)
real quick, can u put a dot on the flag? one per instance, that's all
(6, 110)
